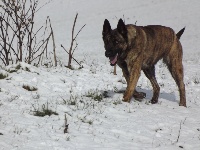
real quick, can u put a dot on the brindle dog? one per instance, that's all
(135, 48)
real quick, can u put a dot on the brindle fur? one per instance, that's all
(140, 48)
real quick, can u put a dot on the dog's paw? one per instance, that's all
(182, 104)
(126, 99)
(139, 95)
(153, 101)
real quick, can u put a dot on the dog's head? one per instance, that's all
(115, 41)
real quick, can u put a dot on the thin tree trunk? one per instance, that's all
(72, 42)
(115, 70)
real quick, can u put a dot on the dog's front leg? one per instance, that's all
(134, 74)
(137, 95)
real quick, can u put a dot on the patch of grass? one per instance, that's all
(161, 84)
(36, 96)
(84, 120)
(72, 100)
(3, 76)
(122, 81)
(44, 112)
(105, 94)
(95, 95)
(68, 138)
(18, 67)
(116, 102)
(11, 71)
(72, 103)
(28, 88)
(70, 67)
(90, 122)
(18, 130)
(116, 90)
(74, 67)
(81, 67)
(98, 97)
(196, 80)
(27, 69)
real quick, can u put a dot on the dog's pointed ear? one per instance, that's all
(121, 28)
(106, 27)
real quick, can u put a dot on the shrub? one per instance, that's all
(28, 88)
(45, 111)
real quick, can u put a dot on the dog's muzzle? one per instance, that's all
(113, 60)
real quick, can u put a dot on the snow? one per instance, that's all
(105, 122)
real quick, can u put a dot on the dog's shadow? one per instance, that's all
(163, 95)
(149, 94)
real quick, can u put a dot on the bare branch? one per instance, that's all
(71, 49)
(72, 57)
(72, 42)
(79, 31)
(54, 45)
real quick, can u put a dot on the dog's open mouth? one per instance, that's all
(113, 60)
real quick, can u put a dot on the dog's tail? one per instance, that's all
(180, 33)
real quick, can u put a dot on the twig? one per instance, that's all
(72, 56)
(54, 45)
(79, 31)
(179, 132)
(66, 125)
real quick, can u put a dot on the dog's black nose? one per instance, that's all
(107, 53)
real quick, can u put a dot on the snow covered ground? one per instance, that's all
(90, 97)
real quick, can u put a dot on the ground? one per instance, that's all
(91, 97)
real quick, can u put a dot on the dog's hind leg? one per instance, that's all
(176, 70)
(150, 74)
(175, 66)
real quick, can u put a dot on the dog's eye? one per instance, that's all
(116, 42)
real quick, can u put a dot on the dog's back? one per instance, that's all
(155, 41)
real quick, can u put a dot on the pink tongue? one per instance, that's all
(113, 60)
